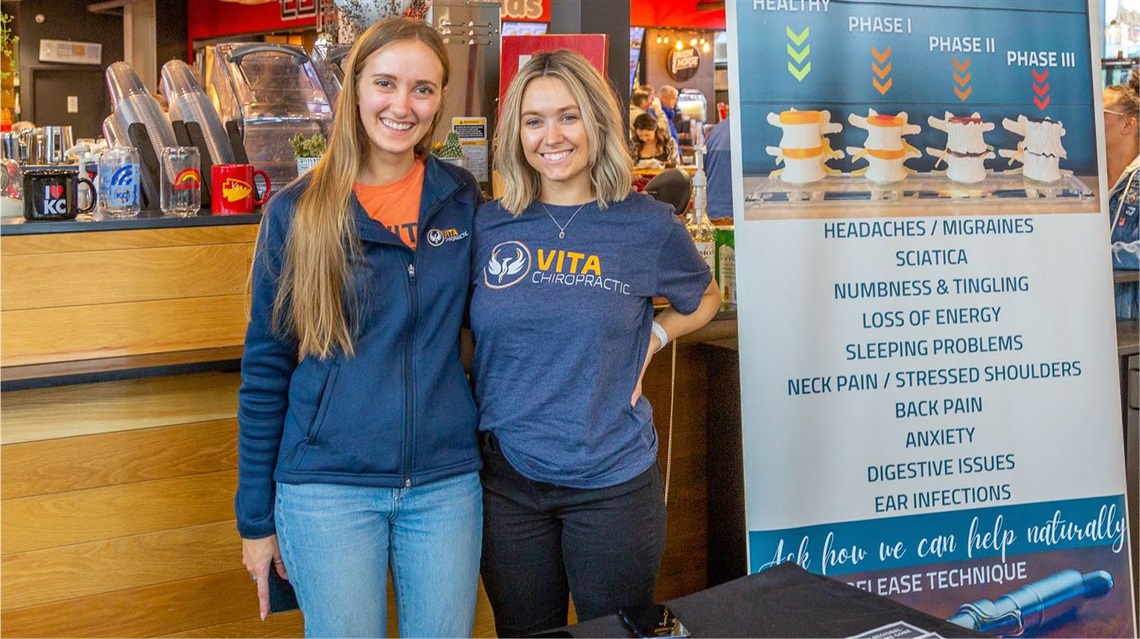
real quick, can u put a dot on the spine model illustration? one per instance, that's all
(885, 150)
(1040, 150)
(804, 149)
(966, 150)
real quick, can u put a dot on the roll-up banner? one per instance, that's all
(928, 359)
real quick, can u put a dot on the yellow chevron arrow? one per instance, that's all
(799, 56)
(797, 38)
(797, 73)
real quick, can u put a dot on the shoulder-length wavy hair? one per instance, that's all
(314, 294)
(611, 169)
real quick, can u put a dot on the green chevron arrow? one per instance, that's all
(798, 73)
(797, 38)
(799, 56)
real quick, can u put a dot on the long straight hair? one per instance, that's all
(611, 171)
(315, 298)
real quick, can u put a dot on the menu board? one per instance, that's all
(928, 358)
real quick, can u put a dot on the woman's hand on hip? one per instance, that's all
(258, 555)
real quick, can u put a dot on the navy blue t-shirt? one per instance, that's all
(561, 328)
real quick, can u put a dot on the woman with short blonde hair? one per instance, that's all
(566, 268)
(612, 171)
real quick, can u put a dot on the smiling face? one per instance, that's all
(554, 141)
(399, 92)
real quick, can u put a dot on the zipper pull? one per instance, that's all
(408, 483)
(412, 272)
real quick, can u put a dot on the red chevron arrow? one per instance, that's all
(963, 65)
(962, 95)
(1041, 104)
(1040, 90)
(881, 57)
(1040, 78)
(882, 88)
(882, 72)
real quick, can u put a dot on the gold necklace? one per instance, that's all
(561, 227)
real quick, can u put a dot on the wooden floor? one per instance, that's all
(116, 508)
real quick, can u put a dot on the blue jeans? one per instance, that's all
(338, 542)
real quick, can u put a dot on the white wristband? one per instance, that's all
(661, 334)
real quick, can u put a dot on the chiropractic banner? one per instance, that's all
(928, 358)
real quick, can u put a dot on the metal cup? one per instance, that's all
(10, 146)
(57, 140)
(32, 143)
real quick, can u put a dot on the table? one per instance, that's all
(783, 601)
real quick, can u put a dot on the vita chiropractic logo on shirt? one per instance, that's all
(436, 237)
(511, 263)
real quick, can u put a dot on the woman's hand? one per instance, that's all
(258, 555)
(677, 325)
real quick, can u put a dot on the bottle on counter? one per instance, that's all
(700, 228)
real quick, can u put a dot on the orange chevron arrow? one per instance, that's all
(882, 72)
(962, 95)
(881, 57)
(1040, 78)
(963, 65)
(1041, 90)
(963, 80)
(1041, 104)
(882, 88)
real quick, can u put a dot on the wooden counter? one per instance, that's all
(76, 299)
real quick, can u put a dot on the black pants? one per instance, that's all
(543, 541)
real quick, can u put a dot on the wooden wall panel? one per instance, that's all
(109, 277)
(85, 409)
(47, 521)
(38, 336)
(44, 576)
(118, 240)
(149, 611)
(286, 624)
(52, 466)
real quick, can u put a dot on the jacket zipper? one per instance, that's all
(409, 375)
(409, 347)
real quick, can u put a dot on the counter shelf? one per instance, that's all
(145, 220)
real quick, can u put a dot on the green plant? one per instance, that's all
(450, 147)
(8, 42)
(311, 147)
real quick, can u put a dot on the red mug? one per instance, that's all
(232, 189)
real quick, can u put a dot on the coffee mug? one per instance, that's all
(53, 194)
(231, 189)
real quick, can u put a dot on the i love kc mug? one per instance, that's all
(232, 189)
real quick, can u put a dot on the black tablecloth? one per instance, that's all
(783, 601)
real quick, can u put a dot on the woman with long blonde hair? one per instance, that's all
(572, 495)
(357, 433)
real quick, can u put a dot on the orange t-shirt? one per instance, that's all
(396, 205)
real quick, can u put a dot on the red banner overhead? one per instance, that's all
(677, 14)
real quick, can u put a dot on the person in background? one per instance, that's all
(357, 446)
(572, 494)
(639, 100)
(1122, 149)
(669, 95)
(718, 171)
(651, 143)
